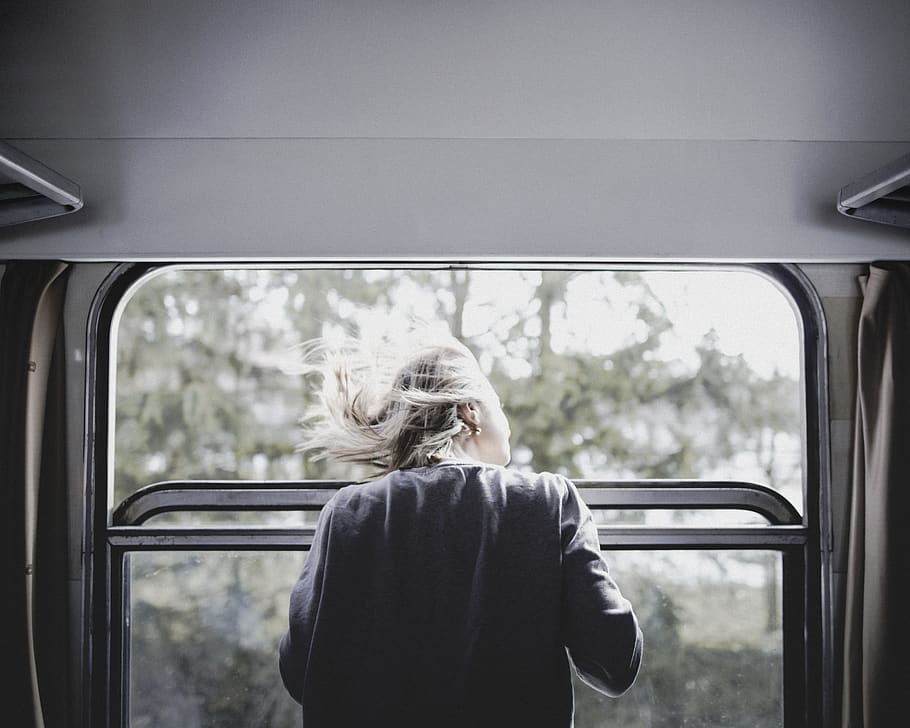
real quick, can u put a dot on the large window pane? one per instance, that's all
(204, 629)
(605, 374)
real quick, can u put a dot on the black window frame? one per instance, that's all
(804, 542)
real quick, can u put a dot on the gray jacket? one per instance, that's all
(448, 595)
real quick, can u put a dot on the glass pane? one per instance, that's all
(713, 642)
(203, 635)
(604, 374)
(204, 627)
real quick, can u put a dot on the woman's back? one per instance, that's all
(447, 595)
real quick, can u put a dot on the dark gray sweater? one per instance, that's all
(448, 595)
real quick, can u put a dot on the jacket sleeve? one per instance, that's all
(600, 628)
(294, 649)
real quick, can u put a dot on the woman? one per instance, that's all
(447, 591)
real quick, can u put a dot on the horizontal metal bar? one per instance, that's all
(144, 538)
(645, 537)
(312, 495)
(173, 496)
(131, 538)
(767, 503)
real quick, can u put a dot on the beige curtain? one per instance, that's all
(876, 627)
(31, 299)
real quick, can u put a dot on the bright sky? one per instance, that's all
(749, 314)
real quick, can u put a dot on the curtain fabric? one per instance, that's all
(25, 363)
(52, 601)
(876, 629)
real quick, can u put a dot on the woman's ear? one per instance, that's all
(469, 414)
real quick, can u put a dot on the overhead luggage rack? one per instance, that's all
(881, 196)
(30, 191)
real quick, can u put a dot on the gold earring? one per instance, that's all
(477, 430)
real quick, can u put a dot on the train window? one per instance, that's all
(678, 400)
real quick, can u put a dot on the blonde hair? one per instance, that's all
(388, 408)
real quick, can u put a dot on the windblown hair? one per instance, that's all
(386, 410)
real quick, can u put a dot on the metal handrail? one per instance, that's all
(312, 495)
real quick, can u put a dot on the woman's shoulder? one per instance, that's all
(534, 484)
(538, 481)
(537, 484)
(502, 473)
